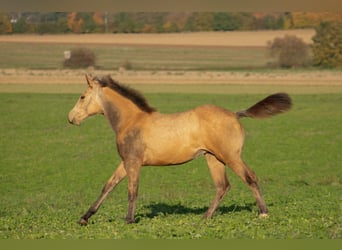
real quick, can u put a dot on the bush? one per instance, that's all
(80, 58)
(126, 65)
(327, 47)
(290, 51)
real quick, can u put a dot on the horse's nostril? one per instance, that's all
(71, 121)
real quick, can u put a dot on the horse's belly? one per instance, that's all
(172, 139)
(171, 154)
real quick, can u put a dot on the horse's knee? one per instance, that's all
(226, 187)
(250, 178)
(223, 189)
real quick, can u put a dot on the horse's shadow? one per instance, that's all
(162, 209)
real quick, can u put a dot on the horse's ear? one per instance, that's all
(90, 80)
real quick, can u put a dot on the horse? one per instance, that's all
(146, 137)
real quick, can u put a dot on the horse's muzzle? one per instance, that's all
(73, 121)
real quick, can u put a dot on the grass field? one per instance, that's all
(50, 56)
(51, 172)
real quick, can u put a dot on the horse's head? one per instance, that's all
(88, 104)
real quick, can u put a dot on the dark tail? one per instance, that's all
(270, 106)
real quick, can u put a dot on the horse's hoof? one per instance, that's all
(206, 216)
(263, 215)
(83, 222)
(130, 221)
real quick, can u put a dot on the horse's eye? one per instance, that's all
(82, 97)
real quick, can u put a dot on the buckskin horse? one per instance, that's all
(146, 137)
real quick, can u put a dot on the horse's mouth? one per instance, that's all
(73, 122)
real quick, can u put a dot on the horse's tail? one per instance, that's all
(270, 106)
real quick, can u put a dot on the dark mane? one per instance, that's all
(135, 96)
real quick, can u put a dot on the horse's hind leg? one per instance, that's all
(218, 173)
(115, 179)
(249, 177)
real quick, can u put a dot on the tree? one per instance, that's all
(170, 27)
(5, 24)
(74, 23)
(313, 19)
(52, 22)
(243, 20)
(202, 21)
(123, 23)
(224, 21)
(88, 25)
(99, 20)
(21, 26)
(274, 22)
(327, 47)
(290, 50)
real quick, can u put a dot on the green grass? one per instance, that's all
(51, 172)
(50, 56)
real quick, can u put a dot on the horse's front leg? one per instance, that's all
(133, 170)
(114, 180)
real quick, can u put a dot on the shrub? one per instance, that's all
(80, 58)
(127, 65)
(290, 51)
(327, 47)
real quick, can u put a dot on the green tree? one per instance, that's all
(88, 24)
(243, 20)
(327, 46)
(270, 22)
(123, 23)
(21, 26)
(224, 21)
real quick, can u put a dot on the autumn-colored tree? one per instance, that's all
(178, 18)
(170, 27)
(201, 21)
(98, 18)
(313, 19)
(74, 22)
(327, 46)
(5, 24)
(158, 22)
(288, 22)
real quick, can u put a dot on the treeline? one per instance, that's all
(157, 22)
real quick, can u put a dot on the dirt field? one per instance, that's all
(279, 77)
(237, 38)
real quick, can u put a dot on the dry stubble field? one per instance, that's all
(239, 38)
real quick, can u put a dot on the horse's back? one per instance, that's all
(209, 110)
(215, 117)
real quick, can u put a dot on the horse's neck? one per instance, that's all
(119, 110)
